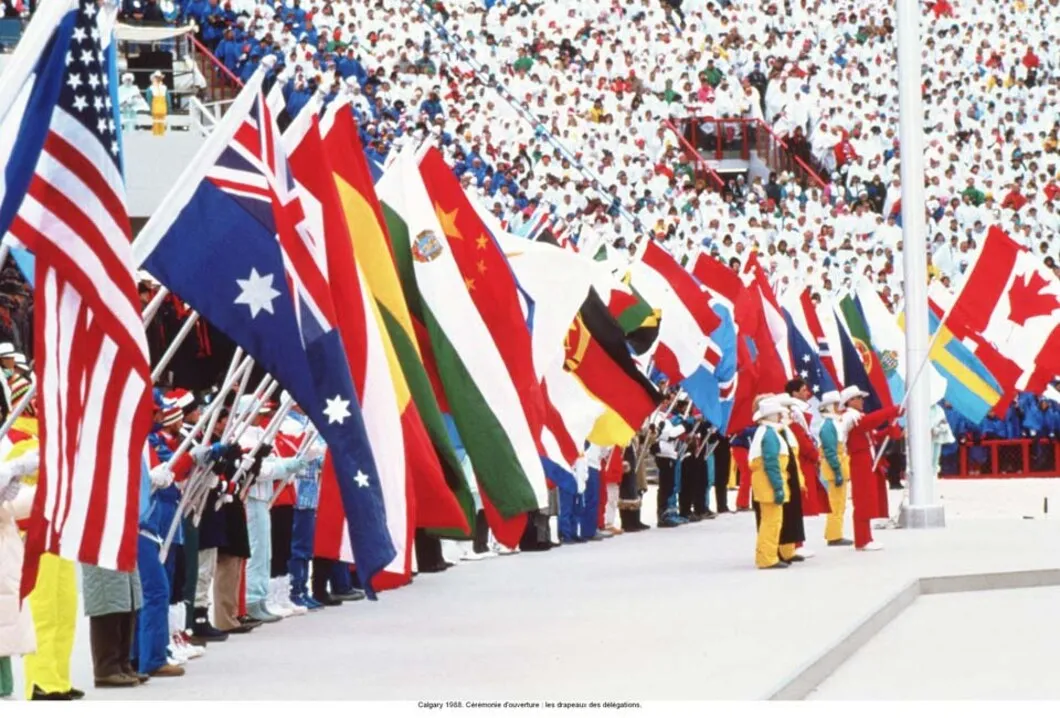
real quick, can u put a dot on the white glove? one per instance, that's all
(25, 464)
(201, 454)
(9, 486)
(161, 477)
(214, 481)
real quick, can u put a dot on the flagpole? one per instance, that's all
(266, 438)
(17, 410)
(207, 419)
(152, 307)
(307, 441)
(922, 511)
(174, 347)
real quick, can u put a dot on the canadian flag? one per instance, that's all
(1011, 301)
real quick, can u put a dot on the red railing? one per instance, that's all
(222, 83)
(701, 168)
(795, 163)
(736, 138)
(1006, 459)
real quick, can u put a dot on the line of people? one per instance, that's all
(249, 558)
(789, 465)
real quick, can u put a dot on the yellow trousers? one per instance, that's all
(837, 499)
(768, 545)
(54, 605)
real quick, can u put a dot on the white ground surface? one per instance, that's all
(665, 614)
(992, 645)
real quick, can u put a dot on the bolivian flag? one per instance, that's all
(443, 500)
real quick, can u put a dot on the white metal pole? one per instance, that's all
(174, 347)
(922, 510)
(152, 307)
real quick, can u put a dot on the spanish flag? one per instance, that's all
(443, 500)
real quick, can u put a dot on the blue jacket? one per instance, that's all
(830, 449)
(994, 428)
(229, 53)
(1033, 421)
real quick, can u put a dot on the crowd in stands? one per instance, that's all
(600, 76)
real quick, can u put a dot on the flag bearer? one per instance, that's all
(769, 460)
(858, 427)
(835, 467)
(53, 600)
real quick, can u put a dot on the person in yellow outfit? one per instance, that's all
(835, 466)
(158, 99)
(53, 601)
(16, 623)
(769, 459)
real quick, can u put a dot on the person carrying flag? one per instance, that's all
(53, 600)
(16, 624)
(858, 428)
(835, 466)
(770, 461)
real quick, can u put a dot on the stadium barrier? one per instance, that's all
(1004, 459)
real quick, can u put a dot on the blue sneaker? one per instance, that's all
(306, 602)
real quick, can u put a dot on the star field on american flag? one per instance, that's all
(86, 93)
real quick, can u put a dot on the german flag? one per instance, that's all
(597, 354)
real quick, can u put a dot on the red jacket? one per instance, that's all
(858, 438)
(1014, 201)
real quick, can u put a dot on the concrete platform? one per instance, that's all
(666, 614)
(998, 645)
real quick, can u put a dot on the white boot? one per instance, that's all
(190, 649)
(872, 546)
(177, 655)
(283, 597)
(271, 603)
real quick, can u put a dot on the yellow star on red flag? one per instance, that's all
(448, 222)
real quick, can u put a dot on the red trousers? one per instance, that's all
(743, 475)
(862, 533)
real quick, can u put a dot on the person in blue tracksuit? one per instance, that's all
(950, 456)
(1031, 417)
(152, 634)
(992, 427)
(575, 523)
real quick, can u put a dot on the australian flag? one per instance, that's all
(806, 360)
(228, 240)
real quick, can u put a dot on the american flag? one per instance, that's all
(65, 200)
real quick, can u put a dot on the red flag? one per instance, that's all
(493, 289)
(1010, 307)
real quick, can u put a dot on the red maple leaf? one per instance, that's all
(1026, 299)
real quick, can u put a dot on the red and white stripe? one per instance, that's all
(92, 364)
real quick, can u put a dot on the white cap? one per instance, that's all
(830, 398)
(851, 392)
(7, 349)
